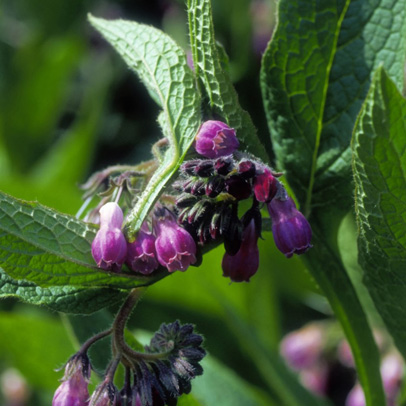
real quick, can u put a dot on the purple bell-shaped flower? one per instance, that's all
(141, 254)
(175, 247)
(244, 264)
(109, 248)
(215, 139)
(73, 391)
(291, 231)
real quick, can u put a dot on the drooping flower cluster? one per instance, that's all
(324, 362)
(167, 244)
(156, 377)
(210, 192)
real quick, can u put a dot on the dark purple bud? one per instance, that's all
(291, 231)
(175, 247)
(185, 200)
(224, 165)
(74, 389)
(234, 235)
(215, 139)
(106, 394)
(204, 169)
(302, 348)
(238, 187)
(109, 248)
(198, 211)
(356, 397)
(214, 186)
(265, 186)
(246, 169)
(198, 187)
(141, 254)
(188, 167)
(245, 262)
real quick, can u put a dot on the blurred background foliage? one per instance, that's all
(68, 107)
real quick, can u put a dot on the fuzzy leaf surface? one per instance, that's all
(215, 82)
(40, 245)
(315, 75)
(379, 165)
(162, 66)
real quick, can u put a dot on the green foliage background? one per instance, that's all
(70, 106)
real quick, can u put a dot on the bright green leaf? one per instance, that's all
(161, 65)
(216, 82)
(379, 164)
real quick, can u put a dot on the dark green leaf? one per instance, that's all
(215, 81)
(161, 64)
(379, 164)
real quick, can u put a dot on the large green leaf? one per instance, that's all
(161, 65)
(40, 245)
(315, 75)
(379, 164)
(66, 298)
(216, 83)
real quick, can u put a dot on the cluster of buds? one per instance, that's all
(166, 244)
(210, 192)
(156, 377)
(324, 362)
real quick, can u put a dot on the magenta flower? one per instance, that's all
(175, 247)
(356, 397)
(74, 389)
(291, 231)
(302, 348)
(244, 264)
(215, 139)
(106, 394)
(109, 248)
(265, 186)
(141, 254)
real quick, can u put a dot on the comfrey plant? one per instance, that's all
(331, 80)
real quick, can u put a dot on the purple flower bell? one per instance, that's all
(106, 394)
(141, 254)
(74, 389)
(175, 247)
(215, 139)
(291, 231)
(244, 264)
(109, 248)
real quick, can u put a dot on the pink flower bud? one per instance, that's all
(175, 247)
(109, 248)
(244, 264)
(215, 139)
(265, 186)
(356, 397)
(74, 389)
(315, 378)
(392, 373)
(291, 231)
(302, 348)
(141, 254)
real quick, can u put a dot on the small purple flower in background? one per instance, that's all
(106, 394)
(356, 397)
(244, 264)
(74, 389)
(265, 186)
(109, 248)
(392, 374)
(291, 231)
(315, 378)
(215, 139)
(302, 348)
(175, 247)
(141, 254)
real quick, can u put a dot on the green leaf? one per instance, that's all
(161, 65)
(48, 248)
(315, 75)
(379, 166)
(215, 81)
(66, 298)
(36, 346)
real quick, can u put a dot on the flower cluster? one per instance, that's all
(167, 244)
(156, 377)
(210, 192)
(324, 361)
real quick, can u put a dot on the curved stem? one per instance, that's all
(93, 339)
